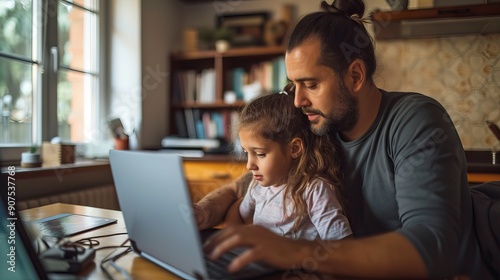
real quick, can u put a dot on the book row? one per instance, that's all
(205, 124)
(200, 86)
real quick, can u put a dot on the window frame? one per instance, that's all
(44, 117)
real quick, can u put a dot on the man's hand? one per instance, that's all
(388, 255)
(262, 244)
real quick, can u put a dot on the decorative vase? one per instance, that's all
(222, 45)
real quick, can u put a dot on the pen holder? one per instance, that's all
(121, 143)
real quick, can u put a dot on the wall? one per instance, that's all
(159, 28)
(141, 34)
(463, 73)
(124, 35)
(205, 14)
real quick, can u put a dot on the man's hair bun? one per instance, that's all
(346, 7)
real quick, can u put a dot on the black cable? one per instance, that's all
(91, 242)
(78, 246)
(112, 261)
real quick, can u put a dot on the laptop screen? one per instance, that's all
(18, 260)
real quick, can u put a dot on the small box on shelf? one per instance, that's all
(57, 154)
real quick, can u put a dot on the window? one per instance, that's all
(49, 75)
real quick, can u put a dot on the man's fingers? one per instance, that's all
(225, 245)
(215, 239)
(248, 256)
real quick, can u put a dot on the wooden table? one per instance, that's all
(136, 266)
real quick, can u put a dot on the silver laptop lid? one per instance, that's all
(157, 209)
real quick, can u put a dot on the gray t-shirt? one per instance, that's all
(408, 173)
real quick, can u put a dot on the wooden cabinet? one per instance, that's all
(478, 178)
(207, 85)
(205, 176)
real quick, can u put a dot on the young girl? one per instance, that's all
(295, 190)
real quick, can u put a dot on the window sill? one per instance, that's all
(80, 166)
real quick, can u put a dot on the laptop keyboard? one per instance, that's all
(218, 269)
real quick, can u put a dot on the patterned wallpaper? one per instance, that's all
(463, 73)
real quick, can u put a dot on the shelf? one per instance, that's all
(482, 177)
(216, 105)
(437, 22)
(207, 76)
(438, 13)
(81, 165)
(235, 52)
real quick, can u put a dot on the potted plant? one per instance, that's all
(206, 37)
(31, 158)
(222, 38)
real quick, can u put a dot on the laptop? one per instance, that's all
(157, 209)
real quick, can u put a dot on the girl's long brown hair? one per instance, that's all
(274, 117)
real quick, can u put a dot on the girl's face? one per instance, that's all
(267, 159)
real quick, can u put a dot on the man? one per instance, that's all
(404, 167)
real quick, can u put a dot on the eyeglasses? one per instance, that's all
(289, 89)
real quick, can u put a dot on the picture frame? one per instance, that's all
(247, 29)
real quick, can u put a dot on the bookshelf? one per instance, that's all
(201, 82)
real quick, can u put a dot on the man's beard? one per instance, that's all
(344, 119)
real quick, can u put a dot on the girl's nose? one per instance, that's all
(251, 165)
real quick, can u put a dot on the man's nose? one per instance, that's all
(300, 100)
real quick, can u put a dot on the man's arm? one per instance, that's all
(354, 257)
(211, 209)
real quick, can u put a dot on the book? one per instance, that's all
(184, 153)
(190, 123)
(180, 122)
(178, 142)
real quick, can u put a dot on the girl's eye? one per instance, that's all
(260, 155)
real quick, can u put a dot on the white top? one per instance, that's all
(325, 218)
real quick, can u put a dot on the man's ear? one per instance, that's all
(356, 75)
(296, 147)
